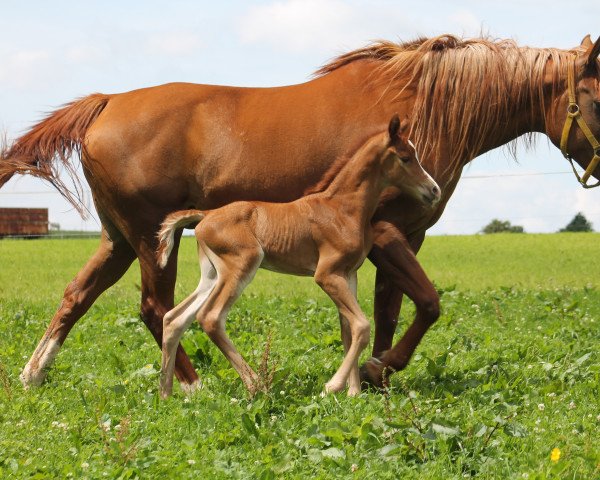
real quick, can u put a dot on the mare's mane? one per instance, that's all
(464, 90)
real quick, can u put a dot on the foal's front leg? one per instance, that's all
(354, 378)
(338, 287)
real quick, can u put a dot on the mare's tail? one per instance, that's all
(48, 146)
(176, 220)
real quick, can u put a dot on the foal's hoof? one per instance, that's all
(164, 395)
(373, 375)
(333, 387)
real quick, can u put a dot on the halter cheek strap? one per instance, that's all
(574, 113)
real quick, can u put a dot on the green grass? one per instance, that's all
(510, 371)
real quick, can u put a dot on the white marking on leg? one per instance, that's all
(191, 388)
(35, 371)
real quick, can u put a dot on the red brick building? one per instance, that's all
(23, 221)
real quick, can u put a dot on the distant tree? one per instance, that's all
(578, 224)
(499, 226)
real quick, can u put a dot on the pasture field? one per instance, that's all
(510, 373)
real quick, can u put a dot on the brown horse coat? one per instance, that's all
(151, 151)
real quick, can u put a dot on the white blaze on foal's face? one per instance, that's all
(402, 168)
(407, 173)
(428, 187)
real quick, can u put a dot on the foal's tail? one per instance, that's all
(48, 146)
(176, 220)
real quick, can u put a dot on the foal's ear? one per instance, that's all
(394, 127)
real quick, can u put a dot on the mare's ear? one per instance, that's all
(591, 56)
(587, 42)
(394, 127)
(404, 125)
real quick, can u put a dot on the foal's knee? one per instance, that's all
(168, 319)
(362, 332)
(211, 324)
(325, 282)
(171, 328)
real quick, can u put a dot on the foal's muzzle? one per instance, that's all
(431, 194)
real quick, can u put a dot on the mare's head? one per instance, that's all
(579, 101)
(402, 168)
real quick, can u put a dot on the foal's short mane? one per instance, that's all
(474, 87)
(338, 164)
(328, 177)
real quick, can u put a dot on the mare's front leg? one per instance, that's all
(110, 261)
(338, 286)
(387, 305)
(392, 254)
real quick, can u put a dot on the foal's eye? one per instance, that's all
(405, 159)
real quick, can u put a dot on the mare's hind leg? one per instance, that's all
(177, 320)
(158, 294)
(337, 286)
(107, 265)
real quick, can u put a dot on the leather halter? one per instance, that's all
(574, 113)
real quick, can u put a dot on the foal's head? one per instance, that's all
(402, 168)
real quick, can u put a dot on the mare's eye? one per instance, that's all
(596, 107)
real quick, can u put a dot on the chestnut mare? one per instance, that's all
(326, 235)
(149, 152)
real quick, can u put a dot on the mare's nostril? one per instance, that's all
(435, 190)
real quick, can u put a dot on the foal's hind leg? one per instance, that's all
(158, 293)
(107, 265)
(234, 272)
(176, 321)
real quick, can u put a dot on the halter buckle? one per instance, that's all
(572, 109)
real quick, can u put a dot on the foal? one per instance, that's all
(326, 234)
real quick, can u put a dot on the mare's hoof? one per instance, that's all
(191, 388)
(30, 378)
(373, 375)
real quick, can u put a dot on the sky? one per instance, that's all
(54, 52)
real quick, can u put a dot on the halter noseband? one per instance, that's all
(574, 113)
